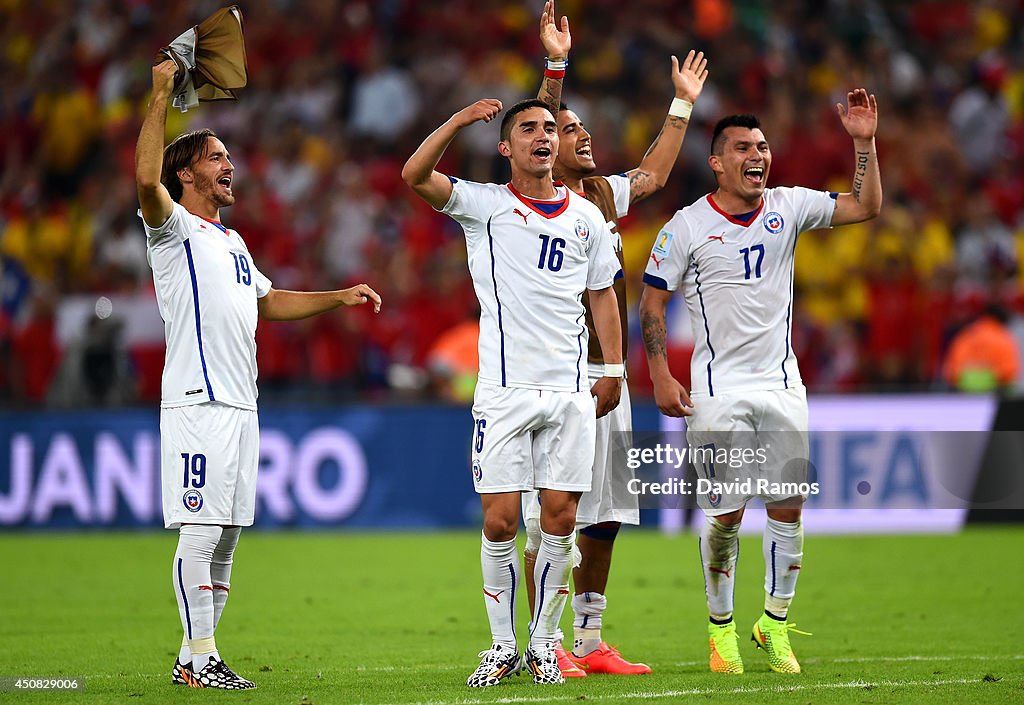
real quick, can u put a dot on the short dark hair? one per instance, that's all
(506, 122)
(183, 151)
(717, 139)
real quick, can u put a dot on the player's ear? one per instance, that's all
(715, 162)
(504, 149)
(185, 175)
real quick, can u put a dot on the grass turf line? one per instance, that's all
(398, 618)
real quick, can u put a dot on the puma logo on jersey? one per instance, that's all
(657, 262)
(520, 214)
(720, 238)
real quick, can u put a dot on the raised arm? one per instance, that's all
(654, 170)
(155, 202)
(556, 41)
(283, 305)
(432, 186)
(670, 396)
(860, 120)
(605, 309)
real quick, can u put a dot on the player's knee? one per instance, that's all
(730, 519)
(498, 527)
(787, 511)
(560, 523)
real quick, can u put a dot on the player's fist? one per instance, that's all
(672, 398)
(688, 78)
(607, 390)
(486, 110)
(163, 78)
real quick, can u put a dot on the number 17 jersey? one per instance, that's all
(737, 280)
(530, 262)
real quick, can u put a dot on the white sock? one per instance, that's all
(551, 577)
(220, 570)
(588, 608)
(193, 588)
(719, 549)
(500, 563)
(783, 556)
(184, 653)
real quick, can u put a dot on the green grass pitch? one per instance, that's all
(398, 618)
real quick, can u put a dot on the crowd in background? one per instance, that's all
(340, 94)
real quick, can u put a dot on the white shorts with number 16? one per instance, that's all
(527, 438)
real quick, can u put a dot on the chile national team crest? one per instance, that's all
(478, 471)
(192, 500)
(773, 222)
(582, 231)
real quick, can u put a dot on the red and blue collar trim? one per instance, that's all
(546, 209)
(744, 219)
(217, 224)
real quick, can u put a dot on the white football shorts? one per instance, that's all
(764, 435)
(209, 455)
(528, 438)
(608, 498)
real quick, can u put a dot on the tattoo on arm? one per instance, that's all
(858, 177)
(653, 327)
(550, 93)
(677, 122)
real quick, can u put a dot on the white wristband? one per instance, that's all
(556, 64)
(611, 370)
(680, 108)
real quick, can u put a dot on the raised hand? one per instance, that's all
(163, 78)
(556, 40)
(485, 109)
(689, 78)
(861, 117)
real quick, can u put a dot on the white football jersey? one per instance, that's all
(737, 279)
(206, 289)
(531, 262)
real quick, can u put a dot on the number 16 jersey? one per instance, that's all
(737, 279)
(531, 262)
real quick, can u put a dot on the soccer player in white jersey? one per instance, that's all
(608, 504)
(535, 248)
(210, 294)
(732, 254)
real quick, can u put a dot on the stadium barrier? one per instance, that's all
(409, 466)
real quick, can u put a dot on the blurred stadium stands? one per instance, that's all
(341, 93)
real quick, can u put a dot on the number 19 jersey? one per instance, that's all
(737, 279)
(206, 289)
(530, 262)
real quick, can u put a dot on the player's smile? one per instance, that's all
(576, 149)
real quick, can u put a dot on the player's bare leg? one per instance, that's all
(590, 652)
(719, 550)
(783, 548)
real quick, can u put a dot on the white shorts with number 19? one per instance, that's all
(209, 456)
(528, 438)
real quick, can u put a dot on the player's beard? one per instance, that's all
(211, 190)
